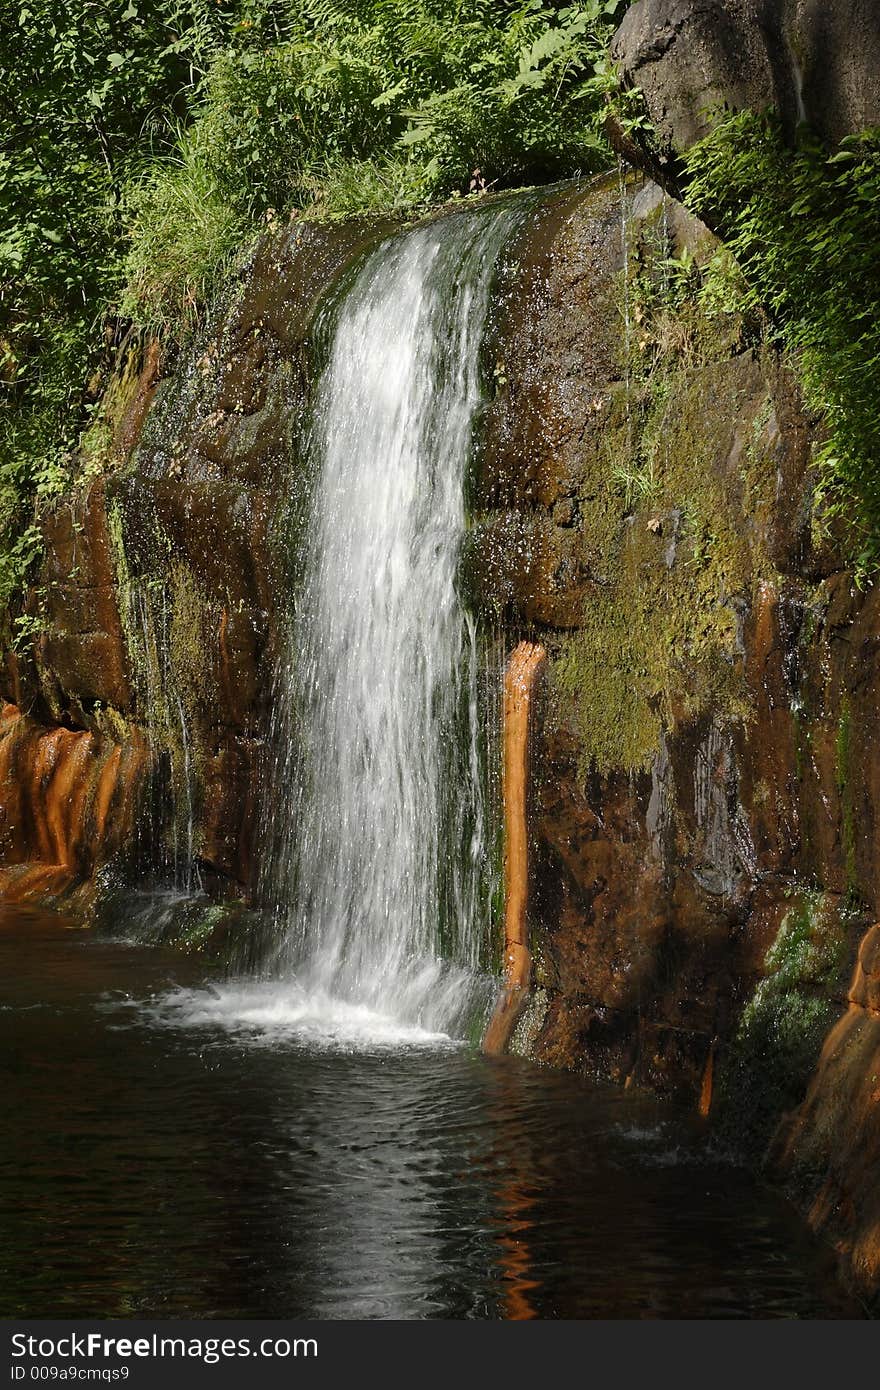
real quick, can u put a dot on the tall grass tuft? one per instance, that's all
(185, 235)
(366, 107)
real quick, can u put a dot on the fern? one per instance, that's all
(422, 97)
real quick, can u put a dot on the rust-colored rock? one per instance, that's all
(827, 1150)
(68, 800)
(865, 987)
(80, 659)
(520, 685)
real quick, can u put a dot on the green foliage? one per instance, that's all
(805, 228)
(86, 89)
(682, 307)
(186, 237)
(783, 1025)
(388, 105)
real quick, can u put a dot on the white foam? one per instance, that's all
(273, 1012)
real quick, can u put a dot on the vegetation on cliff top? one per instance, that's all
(364, 106)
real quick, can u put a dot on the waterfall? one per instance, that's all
(382, 868)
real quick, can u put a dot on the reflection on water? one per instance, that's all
(154, 1165)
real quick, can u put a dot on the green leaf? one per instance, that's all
(390, 95)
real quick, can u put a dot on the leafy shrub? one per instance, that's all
(805, 228)
(361, 106)
(186, 235)
(87, 89)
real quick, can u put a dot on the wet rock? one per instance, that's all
(68, 801)
(158, 598)
(80, 658)
(827, 1150)
(865, 987)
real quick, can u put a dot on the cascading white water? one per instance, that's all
(382, 870)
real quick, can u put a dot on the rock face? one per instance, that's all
(706, 820)
(69, 804)
(706, 798)
(811, 60)
(158, 595)
(830, 1144)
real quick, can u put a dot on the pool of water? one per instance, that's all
(176, 1147)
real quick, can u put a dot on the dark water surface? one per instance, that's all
(150, 1170)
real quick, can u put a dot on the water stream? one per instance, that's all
(381, 868)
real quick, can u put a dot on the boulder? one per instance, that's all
(810, 60)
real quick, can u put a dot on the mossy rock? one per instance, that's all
(783, 1026)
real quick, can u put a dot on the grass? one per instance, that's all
(185, 238)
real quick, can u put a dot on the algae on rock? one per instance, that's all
(673, 513)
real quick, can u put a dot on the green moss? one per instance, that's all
(226, 933)
(169, 626)
(192, 633)
(662, 522)
(758, 467)
(843, 741)
(178, 626)
(95, 445)
(782, 1027)
(801, 735)
(810, 624)
(116, 534)
(199, 928)
(809, 948)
